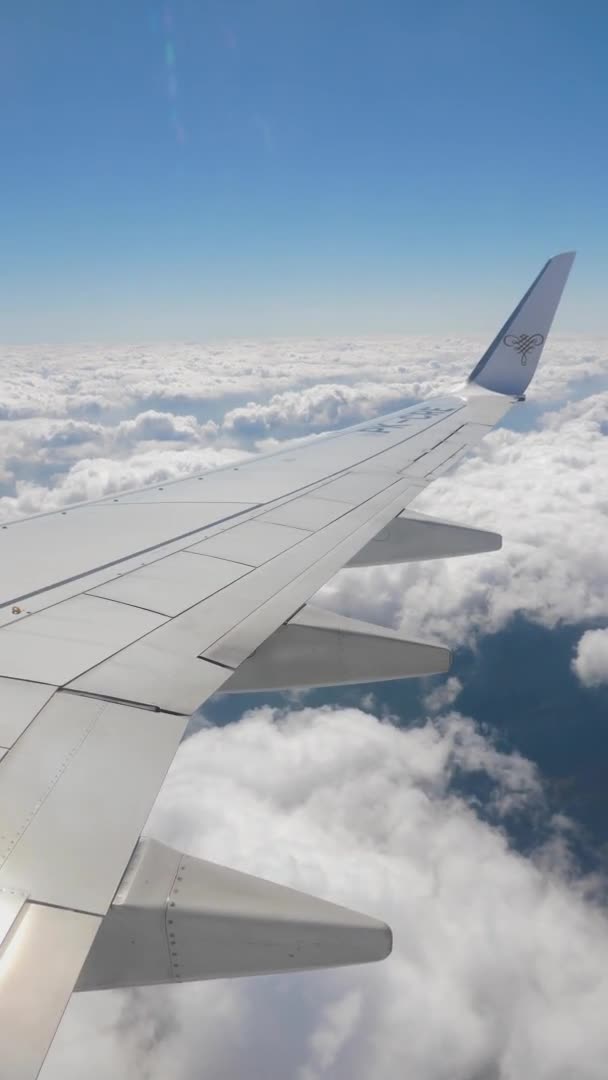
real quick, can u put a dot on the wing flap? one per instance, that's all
(320, 648)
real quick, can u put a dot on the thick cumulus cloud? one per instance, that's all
(315, 408)
(93, 382)
(93, 477)
(62, 405)
(590, 663)
(544, 491)
(500, 963)
(160, 411)
(100, 381)
(46, 463)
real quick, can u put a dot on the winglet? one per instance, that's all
(508, 365)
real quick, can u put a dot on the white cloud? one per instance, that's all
(315, 408)
(94, 477)
(60, 405)
(332, 1034)
(500, 964)
(154, 426)
(102, 381)
(590, 663)
(443, 695)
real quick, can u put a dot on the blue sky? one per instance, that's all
(279, 167)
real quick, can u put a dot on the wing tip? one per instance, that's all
(525, 332)
(567, 256)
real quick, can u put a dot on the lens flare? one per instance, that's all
(168, 23)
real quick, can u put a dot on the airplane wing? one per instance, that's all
(120, 617)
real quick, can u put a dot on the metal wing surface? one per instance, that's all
(118, 618)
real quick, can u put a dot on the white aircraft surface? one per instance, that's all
(120, 617)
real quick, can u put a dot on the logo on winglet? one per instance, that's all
(523, 344)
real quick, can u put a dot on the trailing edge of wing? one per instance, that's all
(176, 918)
(412, 537)
(319, 648)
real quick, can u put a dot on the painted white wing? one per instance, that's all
(119, 618)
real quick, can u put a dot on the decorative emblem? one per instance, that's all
(523, 344)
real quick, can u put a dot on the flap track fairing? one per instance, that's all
(413, 537)
(176, 918)
(320, 648)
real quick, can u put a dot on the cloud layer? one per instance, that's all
(500, 962)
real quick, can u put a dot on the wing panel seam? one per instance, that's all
(266, 507)
(109, 699)
(130, 555)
